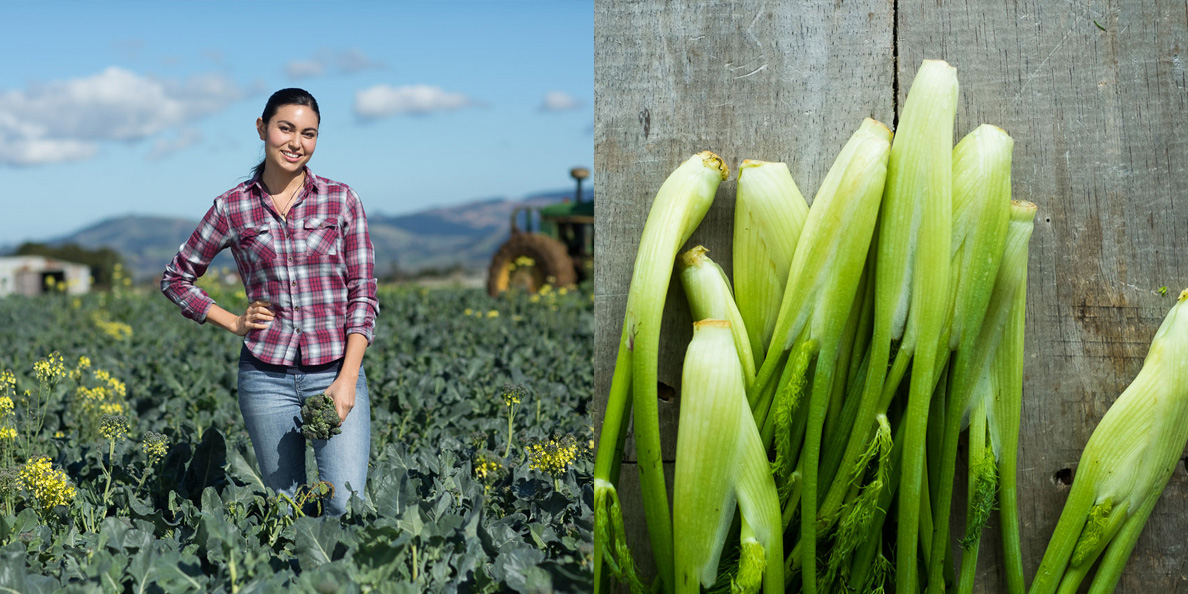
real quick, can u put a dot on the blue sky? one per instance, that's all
(112, 108)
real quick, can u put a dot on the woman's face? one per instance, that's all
(289, 138)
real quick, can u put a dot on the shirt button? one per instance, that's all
(290, 258)
(293, 284)
(298, 308)
(298, 330)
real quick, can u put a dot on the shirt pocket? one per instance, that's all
(257, 245)
(320, 238)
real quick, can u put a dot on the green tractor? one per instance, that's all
(560, 253)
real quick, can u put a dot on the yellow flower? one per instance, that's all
(50, 369)
(92, 397)
(113, 408)
(525, 262)
(7, 382)
(84, 364)
(155, 445)
(59, 435)
(512, 393)
(563, 291)
(46, 487)
(486, 469)
(553, 457)
(493, 314)
(534, 299)
(114, 384)
(116, 330)
(7, 434)
(467, 311)
(6, 407)
(114, 427)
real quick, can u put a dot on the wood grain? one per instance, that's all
(1100, 122)
(774, 81)
(1098, 118)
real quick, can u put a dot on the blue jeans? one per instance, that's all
(270, 398)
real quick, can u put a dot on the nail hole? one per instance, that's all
(1063, 477)
(665, 392)
(1048, 220)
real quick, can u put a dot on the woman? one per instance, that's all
(301, 245)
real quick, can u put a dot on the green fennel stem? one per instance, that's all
(677, 209)
(981, 214)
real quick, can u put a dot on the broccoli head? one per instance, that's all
(319, 418)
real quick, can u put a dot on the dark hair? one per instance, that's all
(290, 96)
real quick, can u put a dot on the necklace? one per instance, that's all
(284, 211)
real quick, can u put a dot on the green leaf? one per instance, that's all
(14, 577)
(207, 467)
(318, 541)
(277, 582)
(411, 521)
(519, 569)
(113, 531)
(240, 469)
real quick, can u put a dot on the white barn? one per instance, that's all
(34, 275)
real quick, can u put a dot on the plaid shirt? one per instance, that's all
(316, 267)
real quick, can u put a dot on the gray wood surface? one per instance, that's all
(1100, 122)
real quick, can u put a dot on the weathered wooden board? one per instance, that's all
(1099, 118)
(778, 81)
(1094, 95)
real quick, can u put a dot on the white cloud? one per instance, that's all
(26, 152)
(559, 101)
(383, 100)
(353, 60)
(183, 139)
(304, 68)
(65, 120)
(330, 61)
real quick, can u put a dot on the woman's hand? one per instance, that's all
(342, 391)
(257, 317)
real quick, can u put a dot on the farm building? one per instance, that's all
(35, 275)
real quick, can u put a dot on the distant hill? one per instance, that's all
(464, 236)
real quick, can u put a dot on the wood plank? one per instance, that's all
(1094, 95)
(746, 79)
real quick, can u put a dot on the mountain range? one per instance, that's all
(461, 237)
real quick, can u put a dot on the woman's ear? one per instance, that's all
(260, 127)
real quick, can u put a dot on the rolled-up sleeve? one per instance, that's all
(191, 262)
(362, 305)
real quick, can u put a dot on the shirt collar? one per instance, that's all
(311, 181)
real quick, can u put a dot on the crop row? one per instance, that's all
(125, 466)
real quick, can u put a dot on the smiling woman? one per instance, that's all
(303, 251)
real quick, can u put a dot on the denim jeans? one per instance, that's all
(270, 398)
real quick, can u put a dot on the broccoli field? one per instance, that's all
(125, 465)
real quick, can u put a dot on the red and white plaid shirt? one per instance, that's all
(316, 267)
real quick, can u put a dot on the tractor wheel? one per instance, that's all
(529, 261)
